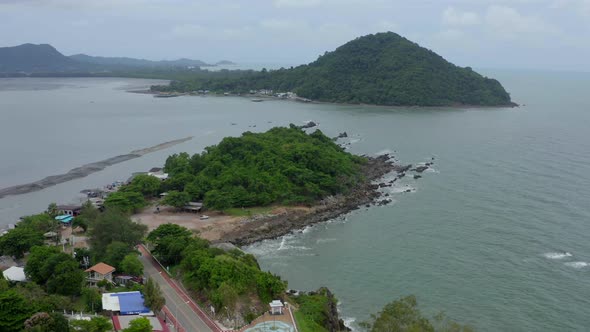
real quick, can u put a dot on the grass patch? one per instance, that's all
(248, 212)
(306, 324)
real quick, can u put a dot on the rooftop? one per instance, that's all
(101, 268)
(15, 273)
(127, 303)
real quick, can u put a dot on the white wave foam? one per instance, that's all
(577, 265)
(325, 240)
(382, 152)
(307, 229)
(282, 246)
(557, 255)
(401, 189)
(348, 321)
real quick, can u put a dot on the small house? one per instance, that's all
(99, 272)
(276, 307)
(70, 210)
(193, 207)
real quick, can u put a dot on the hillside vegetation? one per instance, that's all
(230, 281)
(383, 69)
(282, 165)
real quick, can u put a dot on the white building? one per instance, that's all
(15, 273)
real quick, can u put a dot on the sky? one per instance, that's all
(527, 34)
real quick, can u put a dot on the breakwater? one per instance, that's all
(85, 170)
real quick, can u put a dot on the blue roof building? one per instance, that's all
(126, 303)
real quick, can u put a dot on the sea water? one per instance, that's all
(495, 234)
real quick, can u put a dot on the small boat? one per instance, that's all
(257, 100)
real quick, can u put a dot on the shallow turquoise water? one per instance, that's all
(482, 236)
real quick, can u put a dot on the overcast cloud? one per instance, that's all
(528, 34)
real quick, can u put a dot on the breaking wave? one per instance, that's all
(557, 255)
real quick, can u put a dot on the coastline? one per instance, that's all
(310, 101)
(365, 193)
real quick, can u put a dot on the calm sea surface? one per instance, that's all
(482, 236)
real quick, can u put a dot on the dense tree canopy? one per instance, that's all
(131, 265)
(141, 324)
(19, 240)
(153, 297)
(282, 165)
(96, 324)
(29, 233)
(223, 277)
(403, 315)
(14, 310)
(60, 273)
(147, 185)
(114, 226)
(125, 200)
(383, 69)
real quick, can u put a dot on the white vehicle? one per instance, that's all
(204, 217)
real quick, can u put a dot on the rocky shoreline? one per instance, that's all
(365, 193)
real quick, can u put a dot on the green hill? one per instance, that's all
(282, 165)
(382, 69)
(35, 58)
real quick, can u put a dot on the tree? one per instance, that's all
(80, 222)
(39, 256)
(115, 253)
(400, 315)
(19, 240)
(166, 230)
(96, 324)
(147, 185)
(92, 299)
(177, 163)
(126, 201)
(66, 279)
(177, 199)
(41, 223)
(52, 210)
(139, 325)
(60, 323)
(153, 297)
(14, 310)
(169, 240)
(4, 284)
(403, 315)
(131, 265)
(89, 212)
(113, 225)
(41, 322)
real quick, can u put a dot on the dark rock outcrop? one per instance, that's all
(420, 169)
(310, 124)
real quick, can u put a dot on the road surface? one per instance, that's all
(177, 303)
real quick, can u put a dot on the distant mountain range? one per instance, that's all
(43, 58)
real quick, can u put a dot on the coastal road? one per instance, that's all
(178, 303)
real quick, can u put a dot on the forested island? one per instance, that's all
(380, 69)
